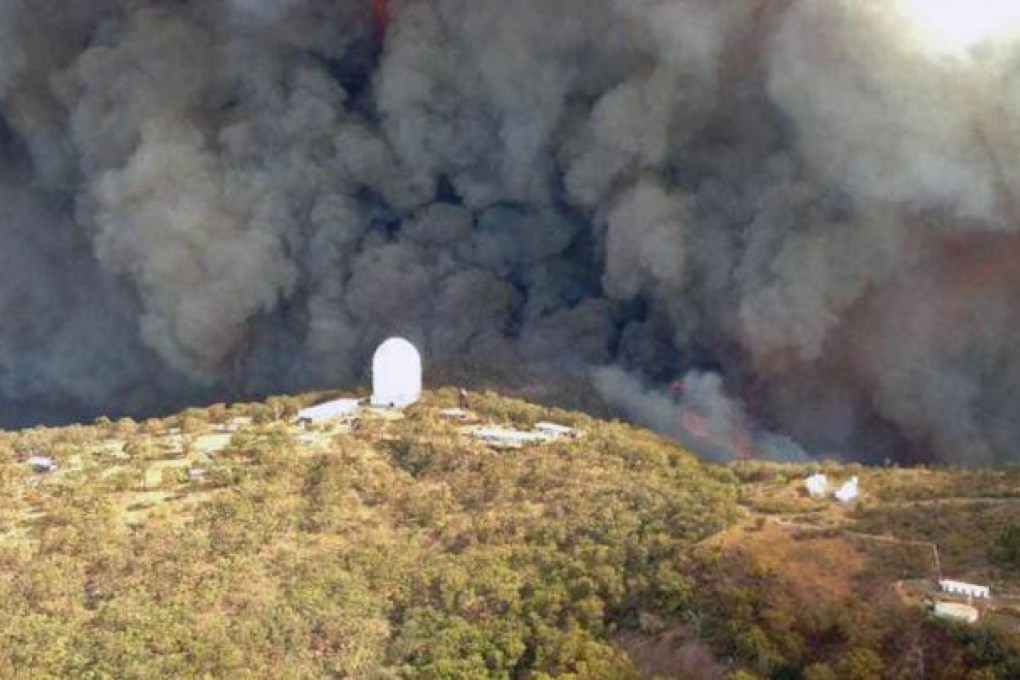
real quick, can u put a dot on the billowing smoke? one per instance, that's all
(697, 412)
(801, 201)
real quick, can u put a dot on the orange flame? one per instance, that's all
(697, 426)
(694, 424)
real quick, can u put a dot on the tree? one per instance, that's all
(861, 664)
(1006, 551)
(819, 671)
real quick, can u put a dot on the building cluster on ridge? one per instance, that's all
(817, 486)
(397, 383)
(940, 601)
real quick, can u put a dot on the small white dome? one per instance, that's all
(848, 491)
(396, 374)
(817, 485)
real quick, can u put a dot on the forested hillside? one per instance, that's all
(231, 542)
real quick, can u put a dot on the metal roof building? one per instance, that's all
(956, 612)
(331, 410)
(42, 464)
(556, 431)
(501, 436)
(961, 588)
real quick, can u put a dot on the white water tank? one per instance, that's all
(396, 374)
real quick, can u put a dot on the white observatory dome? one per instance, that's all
(396, 374)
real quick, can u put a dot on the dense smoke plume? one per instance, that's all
(801, 200)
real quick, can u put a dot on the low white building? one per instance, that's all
(543, 433)
(956, 612)
(848, 492)
(965, 589)
(508, 438)
(42, 464)
(554, 431)
(396, 374)
(454, 413)
(331, 410)
(817, 485)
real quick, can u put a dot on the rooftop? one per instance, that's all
(339, 408)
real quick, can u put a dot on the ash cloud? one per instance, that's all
(798, 199)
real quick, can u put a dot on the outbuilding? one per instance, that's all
(848, 492)
(817, 485)
(338, 409)
(42, 464)
(554, 431)
(956, 612)
(965, 589)
(506, 438)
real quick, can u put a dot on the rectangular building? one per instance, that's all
(965, 589)
(331, 410)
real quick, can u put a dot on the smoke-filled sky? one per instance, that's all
(809, 203)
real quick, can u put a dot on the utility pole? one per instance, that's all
(938, 564)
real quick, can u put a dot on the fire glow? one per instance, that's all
(731, 433)
(381, 16)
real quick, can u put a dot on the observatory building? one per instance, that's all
(396, 374)
(817, 485)
(848, 492)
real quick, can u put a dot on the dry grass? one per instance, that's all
(824, 567)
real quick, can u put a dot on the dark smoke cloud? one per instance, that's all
(799, 199)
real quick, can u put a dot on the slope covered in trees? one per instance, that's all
(229, 542)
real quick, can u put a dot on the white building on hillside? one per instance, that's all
(508, 438)
(42, 464)
(817, 485)
(338, 409)
(396, 374)
(544, 433)
(956, 612)
(848, 492)
(554, 431)
(966, 589)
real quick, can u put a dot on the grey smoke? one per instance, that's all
(723, 430)
(218, 198)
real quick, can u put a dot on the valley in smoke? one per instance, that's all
(794, 203)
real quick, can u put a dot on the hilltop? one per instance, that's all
(231, 541)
